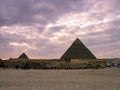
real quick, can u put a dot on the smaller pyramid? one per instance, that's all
(23, 56)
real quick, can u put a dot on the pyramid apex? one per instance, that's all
(23, 53)
(77, 41)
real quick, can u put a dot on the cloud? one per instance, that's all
(37, 11)
(46, 28)
(16, 44)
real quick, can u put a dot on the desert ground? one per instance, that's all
(81, 79)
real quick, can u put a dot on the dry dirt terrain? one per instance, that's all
(102, 79)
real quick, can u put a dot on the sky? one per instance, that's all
(46, 28)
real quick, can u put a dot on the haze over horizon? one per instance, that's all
(46, 28)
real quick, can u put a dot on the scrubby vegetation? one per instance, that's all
(53, 64)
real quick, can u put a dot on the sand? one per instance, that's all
(81, 79)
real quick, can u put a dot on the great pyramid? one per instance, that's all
(78, 51)
(23, 56)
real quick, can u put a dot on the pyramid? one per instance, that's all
(78, 51)
(23, 56)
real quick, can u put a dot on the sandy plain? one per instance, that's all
(81, 79)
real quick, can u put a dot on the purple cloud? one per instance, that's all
(46, 28)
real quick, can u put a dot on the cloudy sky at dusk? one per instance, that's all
(46, 28)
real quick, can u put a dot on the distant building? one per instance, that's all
(23, 56)
(113, 63)
(78, 51)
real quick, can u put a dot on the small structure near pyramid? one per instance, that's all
(78, 51)
(23, 56)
